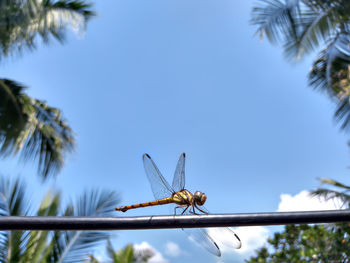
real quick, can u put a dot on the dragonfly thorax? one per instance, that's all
(199, 198)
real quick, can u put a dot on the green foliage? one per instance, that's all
(21, 21)
(33, 128)
(305, 243)
(125, 255)
(29, 125)
(303, 26)
(316, 243)
(338, 191)
(51, 246)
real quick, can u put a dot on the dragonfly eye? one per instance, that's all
(200, 198)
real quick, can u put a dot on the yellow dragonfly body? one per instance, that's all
(181, 198)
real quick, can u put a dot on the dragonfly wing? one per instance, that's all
(160, 187)
(225, 236)
(179, 176)
(201, 237)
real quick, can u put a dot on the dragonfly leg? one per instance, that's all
(189, 211)
(181, 206)
(193, 205)
(200, 209)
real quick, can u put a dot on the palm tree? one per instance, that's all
(21, 21)
(336, 191)
(303, 26)
(33, 128)
(125, 255)
(27, 125)
(48, 246)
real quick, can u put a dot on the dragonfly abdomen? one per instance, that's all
(163, 201)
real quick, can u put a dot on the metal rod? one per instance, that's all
(159, 222)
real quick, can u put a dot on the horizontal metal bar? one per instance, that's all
(158, 222)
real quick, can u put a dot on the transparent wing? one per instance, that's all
(201, 238)
(179, 176)
(223, 235)
(207, 237)
(160, 187)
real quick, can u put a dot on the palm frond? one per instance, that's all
(22, 21)
(75, 245)
(275, 18)
(12, 119)
(111, 254)
(328, 194)
(334, 183)
(301, 26)
(51, 246)
(321, 22)
(341, 191)
(33, 128)
(126, 254)
(37, 247)
(331, 73)
(47, 137)
(12, 203)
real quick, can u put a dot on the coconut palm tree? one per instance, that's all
(305, 26)
(27, 125)
(51, 246)
(22, 21)
(33, 128)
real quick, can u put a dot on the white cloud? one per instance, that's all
(157, 256)
(172, 249)
(304, 202)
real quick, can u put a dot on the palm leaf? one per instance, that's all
(47, 138)
(12, 203)
(340, 192)
(125, 255)
(275, 18)
(319, 23)
(328, 194)
(331, 73)
(37, 248)
(12, 119)
(334, 183)
(111, 254)
(301, 26)
(73, 246)
(51, 246)
(33, 128)
(22, 21)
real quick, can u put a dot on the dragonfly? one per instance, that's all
(186, 202)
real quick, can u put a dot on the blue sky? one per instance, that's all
(166, 77)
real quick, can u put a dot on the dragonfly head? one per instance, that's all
(199, 198)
